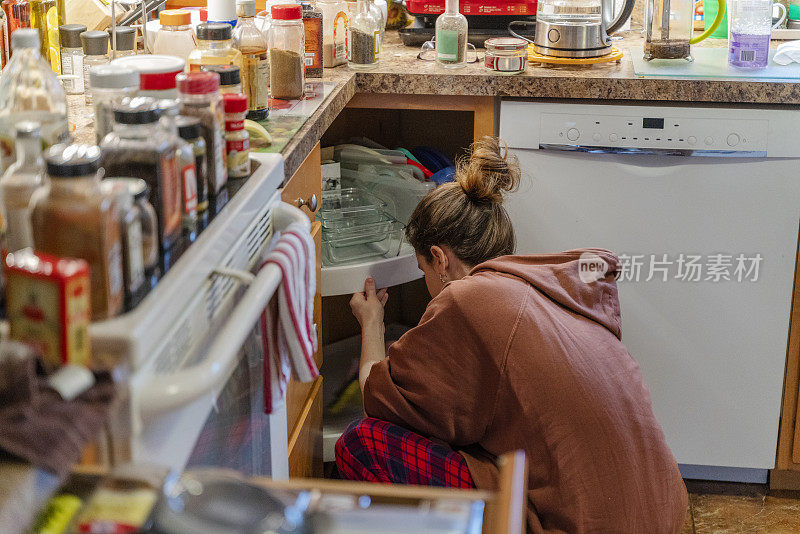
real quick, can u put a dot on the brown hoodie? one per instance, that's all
(523, 354)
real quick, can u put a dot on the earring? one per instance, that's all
(442, 279)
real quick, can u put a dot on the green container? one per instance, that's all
(710, 8)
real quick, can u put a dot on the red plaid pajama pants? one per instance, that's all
(372, 450)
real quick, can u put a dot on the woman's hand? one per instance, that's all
(368, 306)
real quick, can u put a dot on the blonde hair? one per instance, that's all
(467, 215)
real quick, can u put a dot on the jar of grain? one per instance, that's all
(286, 51)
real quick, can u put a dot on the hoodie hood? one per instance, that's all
(583, 281)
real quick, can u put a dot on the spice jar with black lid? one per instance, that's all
(230, 79)
(286, 52)
(189, 131)
(141, 148)
(74, 218)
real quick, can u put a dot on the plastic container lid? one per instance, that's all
(113, 77)
(287, 12)
(175, 17)
(138, 110)
(126, 37)
(505, 43)
(188, 127)
(69, 161)
(235, 102)
(156, 73)
(203, 14)
(214, 31)
(228, 74)
(198, 83)
(71, 35)
(95, 43)
(28, 129)
(24, 38)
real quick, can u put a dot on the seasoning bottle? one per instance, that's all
(176, 36)
(364, 39)
(130, 226)
(20, 181)
(140, 147)
(451, 37)
(286, 51)
(255, 71)
(29, 89)
(229, 78)
(73, 218)
(18, 16)
(334, 32)
(125, 41)
(312, 25)
(46, 17)
(186, 168)
(72, 57)
(189, 131)
(214, 47)
(156, 74)
(149, 223)
(237, 140)
(95, 52)
(110, 85)
(199, 97)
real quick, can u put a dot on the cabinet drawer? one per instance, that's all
(305, 441)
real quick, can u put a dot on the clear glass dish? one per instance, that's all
(333, 202)
(373, 240)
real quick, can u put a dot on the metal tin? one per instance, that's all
(508, 55)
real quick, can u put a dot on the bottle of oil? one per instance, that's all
(214, 47)
(46, 17)
(249, 40)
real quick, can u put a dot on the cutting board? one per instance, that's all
(95, 14)
(709, 63)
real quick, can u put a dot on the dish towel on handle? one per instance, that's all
(287, 327)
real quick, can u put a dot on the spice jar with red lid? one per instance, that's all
(237, 140)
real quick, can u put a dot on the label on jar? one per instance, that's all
(234, 125)
(189, 175)
(447, 45)
(72, 64)
(256, 80)
(238, 157)
(748, 51)
(170, 195)
(340, 44)
(505, 63)
(135, 264)
(377, 44)
(313, 43)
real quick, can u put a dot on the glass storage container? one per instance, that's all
(506, 55)
(364, 39)
(176, 36)
(286, 51)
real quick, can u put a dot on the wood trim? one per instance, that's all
(306, 181)
(304, 413)
(784, 479)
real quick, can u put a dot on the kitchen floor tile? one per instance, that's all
(714, 514)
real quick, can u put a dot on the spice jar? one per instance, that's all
(75, 219)
(199, 97)
(237, 140)
(255, 71)
(214, 47)
(110, 85)
(123, 41)
(149, 221)
(176, 36)
(18, 185)
(229, 78)
(141, 148)
(451, 37)
(334, 32)
(95, 52)
(156, 74)
(286, 51)
(72, 57)
(189, 131)
(506, 55)
(130, 225)
(364, 39)
(312, 25)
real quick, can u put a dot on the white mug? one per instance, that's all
(781, 17)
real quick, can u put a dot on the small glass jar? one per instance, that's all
(506, 55)
(156, 74)
(125, 41)
(214, 47)
(237, 140)
(230, 80)
(149, 220)
(95, 52)
(110, 85)
(364, 39)
(72, 58)
(451, 37)
(286, 51)
(189, 131)
(176, 36)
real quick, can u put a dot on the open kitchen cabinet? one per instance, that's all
(449, 124)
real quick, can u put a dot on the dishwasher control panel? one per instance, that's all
(653, 128)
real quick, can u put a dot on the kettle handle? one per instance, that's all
(624, 15)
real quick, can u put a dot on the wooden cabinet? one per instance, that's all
(304, 401)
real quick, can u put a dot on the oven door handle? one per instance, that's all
(165, 392)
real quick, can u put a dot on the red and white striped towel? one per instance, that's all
(287, 326)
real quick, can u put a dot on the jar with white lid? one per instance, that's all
(506, 55)
(156, 73)
(110, 84)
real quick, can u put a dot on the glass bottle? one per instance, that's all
(95, 52)
(125, 41)
(189, 131)
(110, 85)
(451, 37)
(286, 51)
(140, 147)
(73, 218)
(377, 13)
(47, 16)
(364, 39)
(20, 181)
(3, 39)
(214, 47)
(72, 57)
(334, 32)
(30, 90)
(148, 220)
(249, 40)
(750, 23)
(18, 16)
(176, 36)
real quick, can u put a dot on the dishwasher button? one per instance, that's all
(596, 137)
(613, 138)
(573, 134)
(692, 140)
(733, 139)
(709, 140)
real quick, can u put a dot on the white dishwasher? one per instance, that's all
(702, 204)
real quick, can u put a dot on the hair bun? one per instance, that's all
(489, 172)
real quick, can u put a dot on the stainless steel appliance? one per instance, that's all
(577, 28)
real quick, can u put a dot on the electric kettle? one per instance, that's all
(577, 28)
